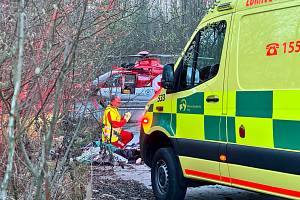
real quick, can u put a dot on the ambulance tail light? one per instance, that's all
(145, 120)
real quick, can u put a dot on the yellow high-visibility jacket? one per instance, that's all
(109, 131)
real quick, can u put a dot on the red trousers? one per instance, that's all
(126, 137)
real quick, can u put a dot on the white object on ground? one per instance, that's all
(138, 161)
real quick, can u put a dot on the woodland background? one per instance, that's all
(50, 51)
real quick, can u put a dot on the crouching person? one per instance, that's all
(113, 122)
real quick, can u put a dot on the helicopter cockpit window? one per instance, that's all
(202, 59)
(114, 81)
(129, 84)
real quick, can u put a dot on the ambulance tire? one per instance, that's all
(165, 176)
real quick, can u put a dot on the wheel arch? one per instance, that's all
(156, 140)
(152, 143)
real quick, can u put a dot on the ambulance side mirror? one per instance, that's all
(167, 80)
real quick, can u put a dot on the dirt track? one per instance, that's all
(133, 182)
(141, 174)
(108, 185)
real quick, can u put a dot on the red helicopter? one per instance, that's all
(133, 81)
(136, 83)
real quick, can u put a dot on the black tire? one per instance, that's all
(166, 175)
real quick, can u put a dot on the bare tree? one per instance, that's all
(60, 47)
(50, 52)
(17, 72)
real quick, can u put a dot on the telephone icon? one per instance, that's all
(272, 49)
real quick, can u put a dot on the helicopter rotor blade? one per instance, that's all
(140, 55)
(134, 56)
(162, 55)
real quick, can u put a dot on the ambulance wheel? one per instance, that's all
(165, 176)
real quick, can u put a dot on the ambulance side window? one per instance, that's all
(185, 74)
(202, 59)
(210, 50)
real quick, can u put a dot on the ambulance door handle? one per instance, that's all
(212, 99)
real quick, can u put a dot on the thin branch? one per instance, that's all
(13, 110)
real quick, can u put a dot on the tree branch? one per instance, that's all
(17, 83)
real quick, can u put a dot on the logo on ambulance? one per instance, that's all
(182, 105)
(250, 3)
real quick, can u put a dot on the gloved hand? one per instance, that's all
(106, 135)
(127, 116)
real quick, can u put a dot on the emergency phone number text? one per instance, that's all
(287, 48)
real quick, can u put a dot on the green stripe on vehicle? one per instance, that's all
(166, 121)
(231, 129)
(286, 134)
(254, 104)
(211, 128)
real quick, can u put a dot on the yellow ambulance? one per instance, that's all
(229, 110)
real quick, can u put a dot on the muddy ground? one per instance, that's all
(133, 182)
(107, 185)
